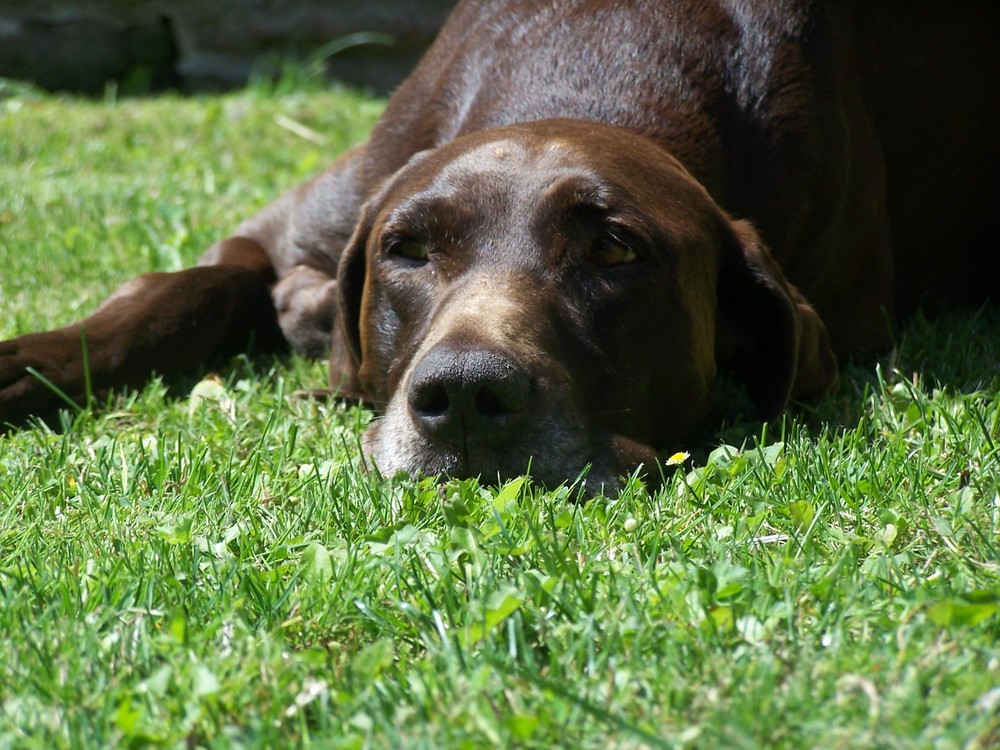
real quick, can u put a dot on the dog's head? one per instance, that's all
(555, 295)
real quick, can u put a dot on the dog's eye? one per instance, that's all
(610, 251)
(410, 249)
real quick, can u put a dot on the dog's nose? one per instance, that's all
(458, 394)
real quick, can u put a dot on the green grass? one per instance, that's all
(186, 571)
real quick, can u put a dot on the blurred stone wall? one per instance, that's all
(82, 45)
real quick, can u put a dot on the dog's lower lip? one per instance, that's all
(493, 467)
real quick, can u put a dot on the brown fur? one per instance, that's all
(574, 214)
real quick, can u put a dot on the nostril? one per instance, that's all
(502, 398)
(490, 405)
(431, 400)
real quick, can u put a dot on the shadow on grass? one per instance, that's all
(954, 350)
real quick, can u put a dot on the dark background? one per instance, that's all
(190, 45)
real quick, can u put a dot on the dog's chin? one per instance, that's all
(593, 464)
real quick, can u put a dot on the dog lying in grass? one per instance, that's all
(572, 216)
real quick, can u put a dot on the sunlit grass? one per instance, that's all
(219, 572)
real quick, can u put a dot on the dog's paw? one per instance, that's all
(306, 302)
(38, 372)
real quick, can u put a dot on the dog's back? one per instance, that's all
(931, 74)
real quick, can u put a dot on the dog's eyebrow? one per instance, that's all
(577, 190)
(597, 200)
(431, 217)
(415, 212)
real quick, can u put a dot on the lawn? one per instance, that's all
(202, 564)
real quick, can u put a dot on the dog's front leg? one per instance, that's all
(163, 323)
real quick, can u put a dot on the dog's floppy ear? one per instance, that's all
(767, 332)
(345, 352)
(352, 267)
(351, 273)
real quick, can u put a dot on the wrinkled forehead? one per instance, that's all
(521, 170)
(516, 154)
(475, 183)
(553, 145)
(475, 167)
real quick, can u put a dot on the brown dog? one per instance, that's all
(544, 254)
